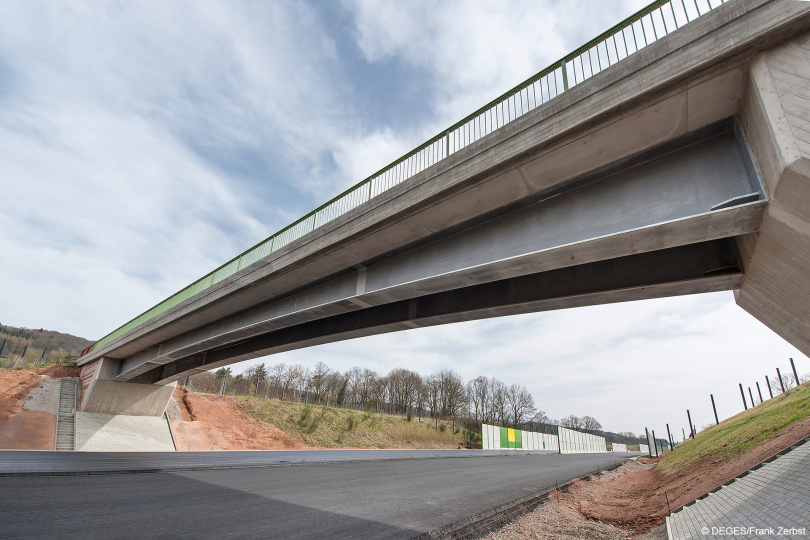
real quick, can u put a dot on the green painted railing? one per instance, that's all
(632, 34)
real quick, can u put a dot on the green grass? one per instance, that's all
(336, 428)
(741, 432)
(35, 367)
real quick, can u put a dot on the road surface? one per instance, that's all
(379, 498)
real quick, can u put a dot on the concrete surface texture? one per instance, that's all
(105, 396)
(372, 499)
(775, 115)
(770, 502)
(119, 433)
(678, 86)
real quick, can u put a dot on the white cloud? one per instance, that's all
(139, 142)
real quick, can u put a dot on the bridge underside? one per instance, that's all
(656, 224)
(671, 196)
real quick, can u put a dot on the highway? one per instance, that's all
(377, 498)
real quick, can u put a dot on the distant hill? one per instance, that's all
(58, 346)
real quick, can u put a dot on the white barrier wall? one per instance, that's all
(498, 438)
(643, 448)
(576, 442)
(619, 447)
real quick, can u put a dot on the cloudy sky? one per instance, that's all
(143, 144)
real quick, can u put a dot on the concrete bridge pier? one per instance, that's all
(137, 397)
(775, 116)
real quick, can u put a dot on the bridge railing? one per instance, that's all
(646, 26)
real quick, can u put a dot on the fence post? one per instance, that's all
(768, 382)
(760, 393)
(25, 350)
(256, 392)
(715, 410)
(564, 74)
(751, 395)
(795, 375)
(669, 436)
(742, 393)
(3, 347)
(224, 383)
(691, 427)
(778, 374)
(41, 358)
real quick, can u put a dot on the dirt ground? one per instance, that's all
(22, 429)
(215, 423)
(633, 501)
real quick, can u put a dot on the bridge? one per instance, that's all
(668, 156)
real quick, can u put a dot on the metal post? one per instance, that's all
(186, 383)
(742, 393)
(564, 74)
(768, 382)
(751, 395)
(224, 383)
(25, 350)
(691, 428)
(41, 358)
(778, 374)
(669, 436)
(447, 144)
(760, 393)
(715, 410)
(655, 443)
(256, 392)
(3, 346)
(795, 375)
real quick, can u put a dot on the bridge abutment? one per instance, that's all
(775, 115)
(100, 394)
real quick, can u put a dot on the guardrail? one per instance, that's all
(646, 26)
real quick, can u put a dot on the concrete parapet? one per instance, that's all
(103, 395)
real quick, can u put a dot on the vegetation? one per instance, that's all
(335, 428)
(443, 397)
(737, 434)
(26, 346)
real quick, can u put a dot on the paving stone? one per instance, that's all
(773, 496)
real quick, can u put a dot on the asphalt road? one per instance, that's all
(382, 498)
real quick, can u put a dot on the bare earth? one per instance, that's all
(632, 500)
(22, 429)
(216, 423)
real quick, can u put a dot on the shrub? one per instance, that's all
(351, 422)
(410, 416)
(442, 427)
(305, 412)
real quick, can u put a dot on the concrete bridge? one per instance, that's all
(669, 156)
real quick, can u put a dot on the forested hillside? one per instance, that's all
(57, 346)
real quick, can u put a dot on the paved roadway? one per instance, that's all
(377, 498)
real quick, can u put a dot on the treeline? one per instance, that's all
(442, 395)
(26, 346)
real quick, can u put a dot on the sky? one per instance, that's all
(143, 144)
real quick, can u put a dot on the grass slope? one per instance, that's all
(741, 432)
(341, 428)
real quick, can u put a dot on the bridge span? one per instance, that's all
(681, 166)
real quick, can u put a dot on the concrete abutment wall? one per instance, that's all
(775, 116)
(100, 394)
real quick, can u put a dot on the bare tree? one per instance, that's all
(319, 379)
(478, 392)
(572, 422)
(290, 377)
(497, 404)
(520, 403)
(591, 425)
